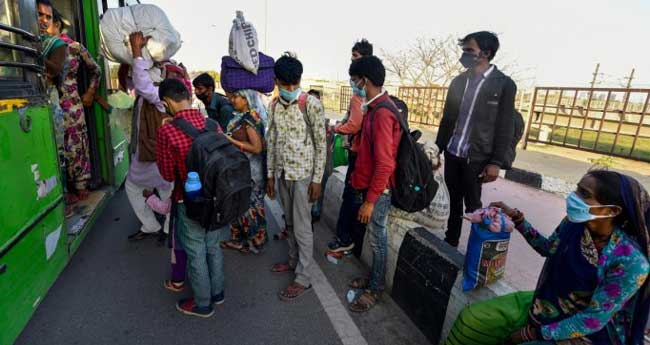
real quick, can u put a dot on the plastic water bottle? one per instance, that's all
(353, 294)
(192, 186)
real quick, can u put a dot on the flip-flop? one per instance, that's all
(365, 302)
(282, 235)
(359, 283)
(293, 292)
(233, 246)
(281, 268)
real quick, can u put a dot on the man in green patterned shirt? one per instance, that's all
(296, 143)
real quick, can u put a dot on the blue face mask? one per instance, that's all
(288, 95)
(577, 210)
(357, 90)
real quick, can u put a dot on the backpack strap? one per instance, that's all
(395, 111)
(186, 127)
(211, 125)
(302, 105)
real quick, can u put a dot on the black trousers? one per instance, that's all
(464, 186)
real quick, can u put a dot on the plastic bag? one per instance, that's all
(118, 23)
(340, 154)
(485, 260)
(243, 45)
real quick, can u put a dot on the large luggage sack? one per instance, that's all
(243, 43)
(118, 23)
(234, 77)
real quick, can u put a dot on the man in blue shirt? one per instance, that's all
(217, 105)
(477, 127)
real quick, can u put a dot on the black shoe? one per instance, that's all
(162, 238)
(137, 236)
(336, 246)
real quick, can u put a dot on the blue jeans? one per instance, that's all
(378, 239)
(204, 256)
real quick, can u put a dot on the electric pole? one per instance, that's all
(593, 80)
(629, 79)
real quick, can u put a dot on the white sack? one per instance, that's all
(243, 45)
(118, 23)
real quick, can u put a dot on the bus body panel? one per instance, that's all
(30, 169)
(32, 266)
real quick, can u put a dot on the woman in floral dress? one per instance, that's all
(246, 131)
(592, 288)
(76, 145)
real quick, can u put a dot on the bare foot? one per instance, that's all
(71, 199)
(82, 194)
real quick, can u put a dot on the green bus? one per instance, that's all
(36, 239)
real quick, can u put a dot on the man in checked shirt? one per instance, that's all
(296, 142)
(205, 259)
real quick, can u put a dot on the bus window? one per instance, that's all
(18, 49)
(7, 17)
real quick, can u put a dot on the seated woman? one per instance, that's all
(246, 131)
(592, 289)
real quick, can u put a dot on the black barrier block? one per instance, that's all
(427, 268)
(528, 178)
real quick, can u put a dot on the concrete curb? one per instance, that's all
(538, 181)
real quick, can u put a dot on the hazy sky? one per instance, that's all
(558, 42)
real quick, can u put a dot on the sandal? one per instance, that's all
(71, 199)
(282, 268)
(293, 291)
(174, 286)
(365, 302)
(282, 235)
(233, 245)
(69, 211)
(359, 283)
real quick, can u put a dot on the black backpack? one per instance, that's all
(225, 175)
(415, 186)
(511, 152)
(401, 106)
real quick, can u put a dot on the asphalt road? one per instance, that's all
(112, 293)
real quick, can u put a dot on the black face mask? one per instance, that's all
(203, 97)
(468, 60)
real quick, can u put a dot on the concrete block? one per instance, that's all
(528, 178)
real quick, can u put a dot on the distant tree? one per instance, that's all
(433, 62)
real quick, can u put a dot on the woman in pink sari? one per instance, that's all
(76, 145)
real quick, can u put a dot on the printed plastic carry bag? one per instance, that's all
(487, 248)
(243, 45)
(436, 215)
(118, 23)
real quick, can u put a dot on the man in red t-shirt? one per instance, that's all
(373, 178)
(205, 259)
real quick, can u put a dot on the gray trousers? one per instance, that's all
(297, 211)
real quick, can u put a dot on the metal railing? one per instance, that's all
(611, 121)
(425, 104)
(346, 95)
